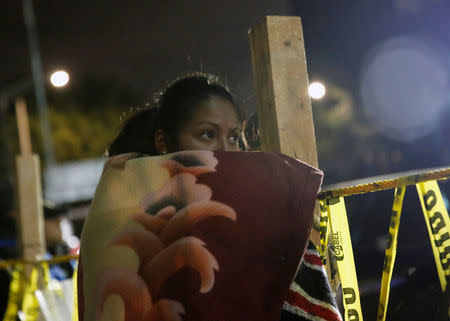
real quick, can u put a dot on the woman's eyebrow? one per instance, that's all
(237, 128)
(207, 123)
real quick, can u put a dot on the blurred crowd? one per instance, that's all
(59, 238)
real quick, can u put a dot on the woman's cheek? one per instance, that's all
(193, 143)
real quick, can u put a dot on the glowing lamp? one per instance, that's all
(59, 78)
(316, 90)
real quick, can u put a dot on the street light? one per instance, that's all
(59, 78)
(316, 90)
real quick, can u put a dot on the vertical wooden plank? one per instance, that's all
(281, 80)
(23, 127)
(30, 218)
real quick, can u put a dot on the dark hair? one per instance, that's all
(172, 108)
(251, 133)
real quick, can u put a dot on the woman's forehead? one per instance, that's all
(215, 110)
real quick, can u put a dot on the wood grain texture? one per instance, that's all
(23, 126)
(281, 80)
(29, 193)
(31, 218)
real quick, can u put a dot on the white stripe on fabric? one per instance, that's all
(296, 288)
(300, 312)
(313, 252)
(314, 266)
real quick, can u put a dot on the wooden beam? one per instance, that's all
(281, 81)
(285, 116)
(29, 190)
(23, 127)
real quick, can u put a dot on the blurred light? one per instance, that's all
(316, 90)
(381, 243)
(404, 88)
(408, 6)
(411, 270)
(59, 78)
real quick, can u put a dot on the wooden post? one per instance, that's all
(30, 218)
(284, 107)
(281, 80)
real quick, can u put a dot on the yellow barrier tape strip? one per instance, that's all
(391, 251)
(344, 255)
(324, 230)
(16, 291)
(30, 304)
(438, 225)
(75, 294)
(50, 283)
(51, 298)
(383, 184)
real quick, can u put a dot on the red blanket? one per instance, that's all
(195, 235)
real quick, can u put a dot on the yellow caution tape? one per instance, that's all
(391, 251)
(324, 231)
(75, 294)
(342, 245)
(52, 299)
(53, 285)
(30, 304)
(438, 225)
(368, 185)
(16, 291)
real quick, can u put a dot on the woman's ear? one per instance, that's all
(161, 142)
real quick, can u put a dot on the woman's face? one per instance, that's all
(214, 125)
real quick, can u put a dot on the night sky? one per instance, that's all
(142, 43)
(145, 43)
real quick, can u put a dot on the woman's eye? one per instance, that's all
(234, 139)
(208, 134)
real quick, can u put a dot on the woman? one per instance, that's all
(197, 112)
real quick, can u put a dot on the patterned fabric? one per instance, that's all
(310, 296)
(195, 236)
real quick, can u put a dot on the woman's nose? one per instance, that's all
(223, 145)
